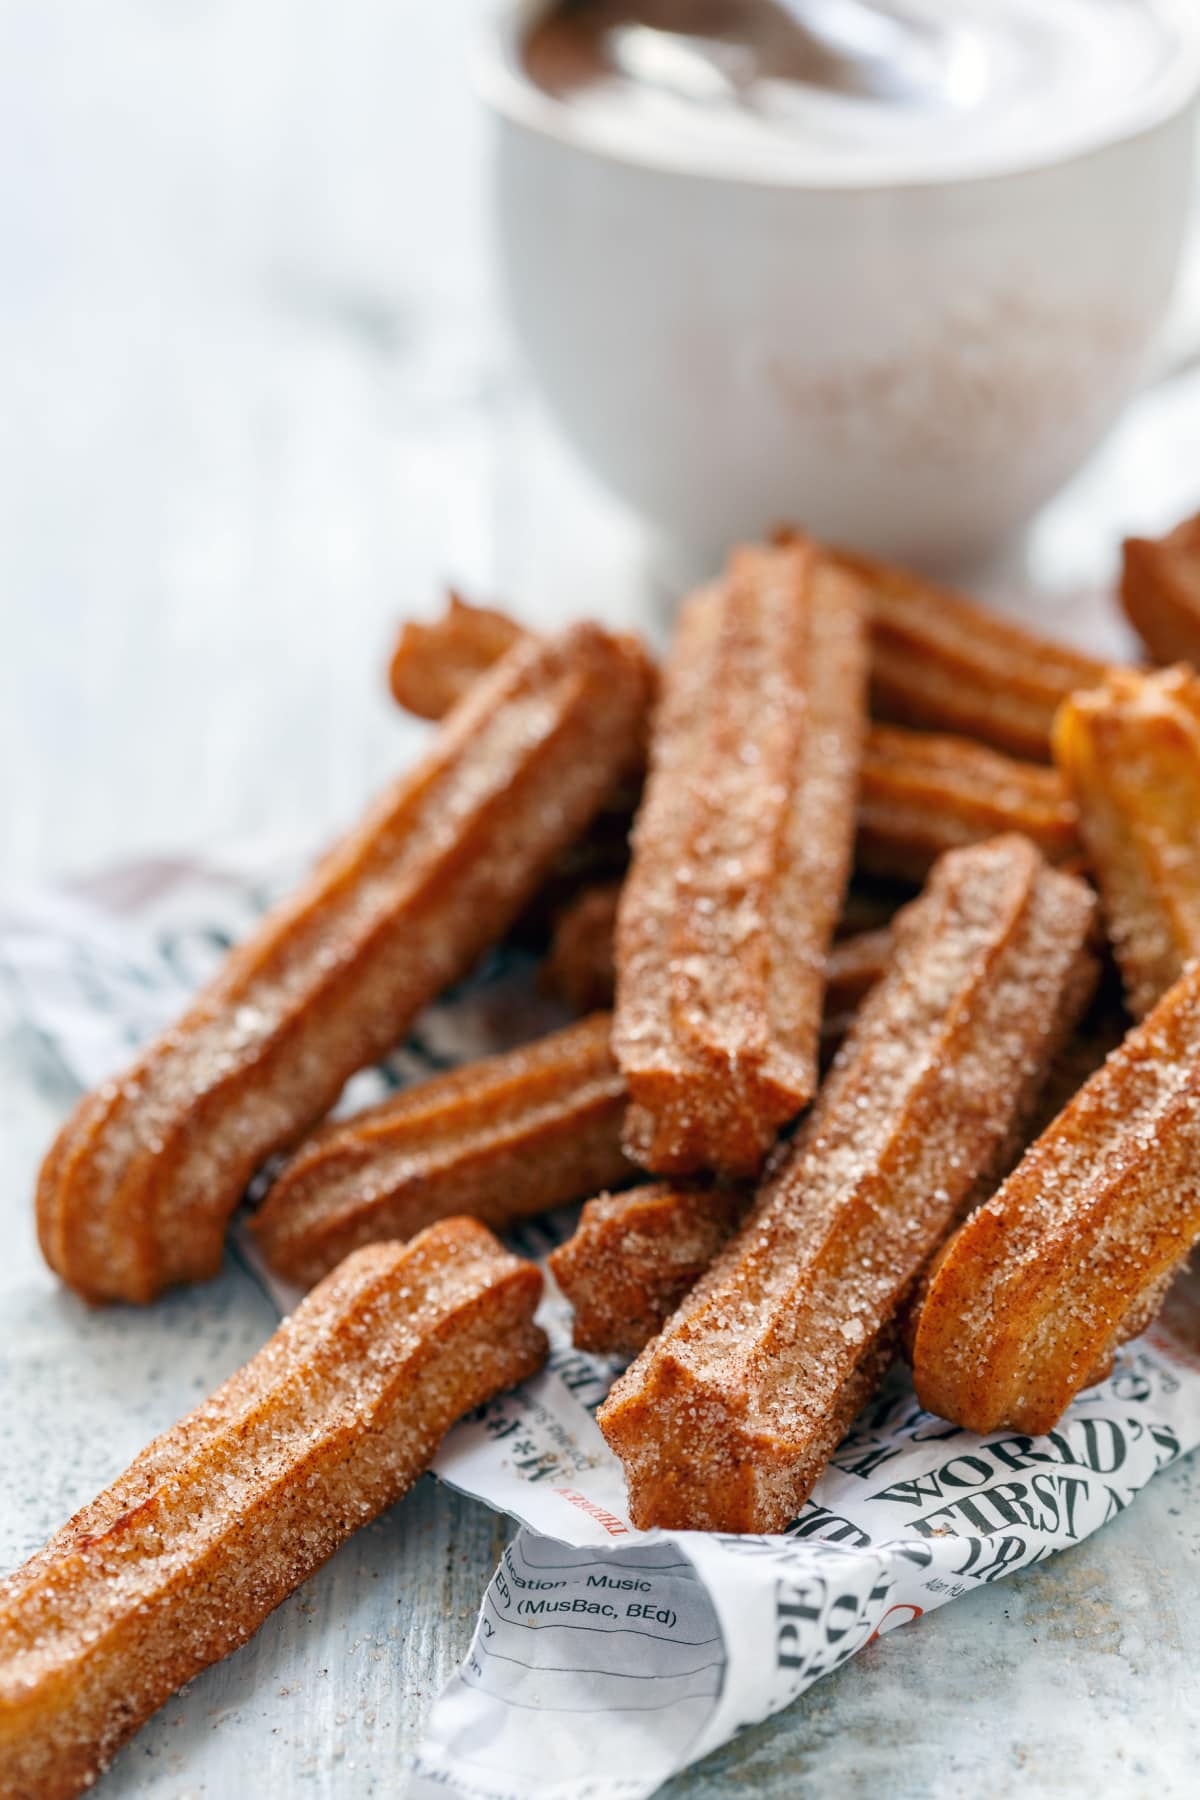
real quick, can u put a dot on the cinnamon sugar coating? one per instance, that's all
(741, 852)
(728, 1417)
(1074, 1252)
(635, 1255)
(923, 792)
(434, 667)
(497, 1140)
(1160, 592)
(941, 662)
(218, 1520)
(935, 659)
(1130, 751)
(938, 660)
(138, 1189)
(580, 967)
(1099, 1031)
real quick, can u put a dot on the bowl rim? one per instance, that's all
(511, 95)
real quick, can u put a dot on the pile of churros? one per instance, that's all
(832, 894)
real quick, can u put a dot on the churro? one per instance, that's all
(433, 668)
(499, 1139)
(579, 965)
(727, 1418)
(138, 1189)
(923, 792)
(941, 662)
(741, 852)
(1160, 592)
(1095, 1037)
(1073, 1253)
(1130, 752)
(920, 792)
(635, 1255)
(218, 1520)
(434, 665)
(938, 660)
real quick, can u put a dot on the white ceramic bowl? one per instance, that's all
(910, 366)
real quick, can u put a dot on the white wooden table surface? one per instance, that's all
(255, 403)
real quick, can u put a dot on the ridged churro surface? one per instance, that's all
(938, 660)
(635, 1255)
(924, 792)
(1130, 752)
(183, 1557)
(741, 853)
(728, 1417)
(943, 663)
(496, 1140)
(137, 1191)
(1073, 1254)
(580, 964)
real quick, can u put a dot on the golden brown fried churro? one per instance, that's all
(579, 966)
(1096, 1036)
(433, 666)
(137, 1191)
(1073, 1254)
(728, 1417)
(923, 792)
(941, 662)
(183, 1557)
(635, 1255)
(937, 659)
(497, 1139)
(740, 856)
(1130, 752)
(1160, 592)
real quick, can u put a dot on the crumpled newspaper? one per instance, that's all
(606, 1659)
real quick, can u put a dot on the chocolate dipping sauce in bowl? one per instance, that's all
(890, 270)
